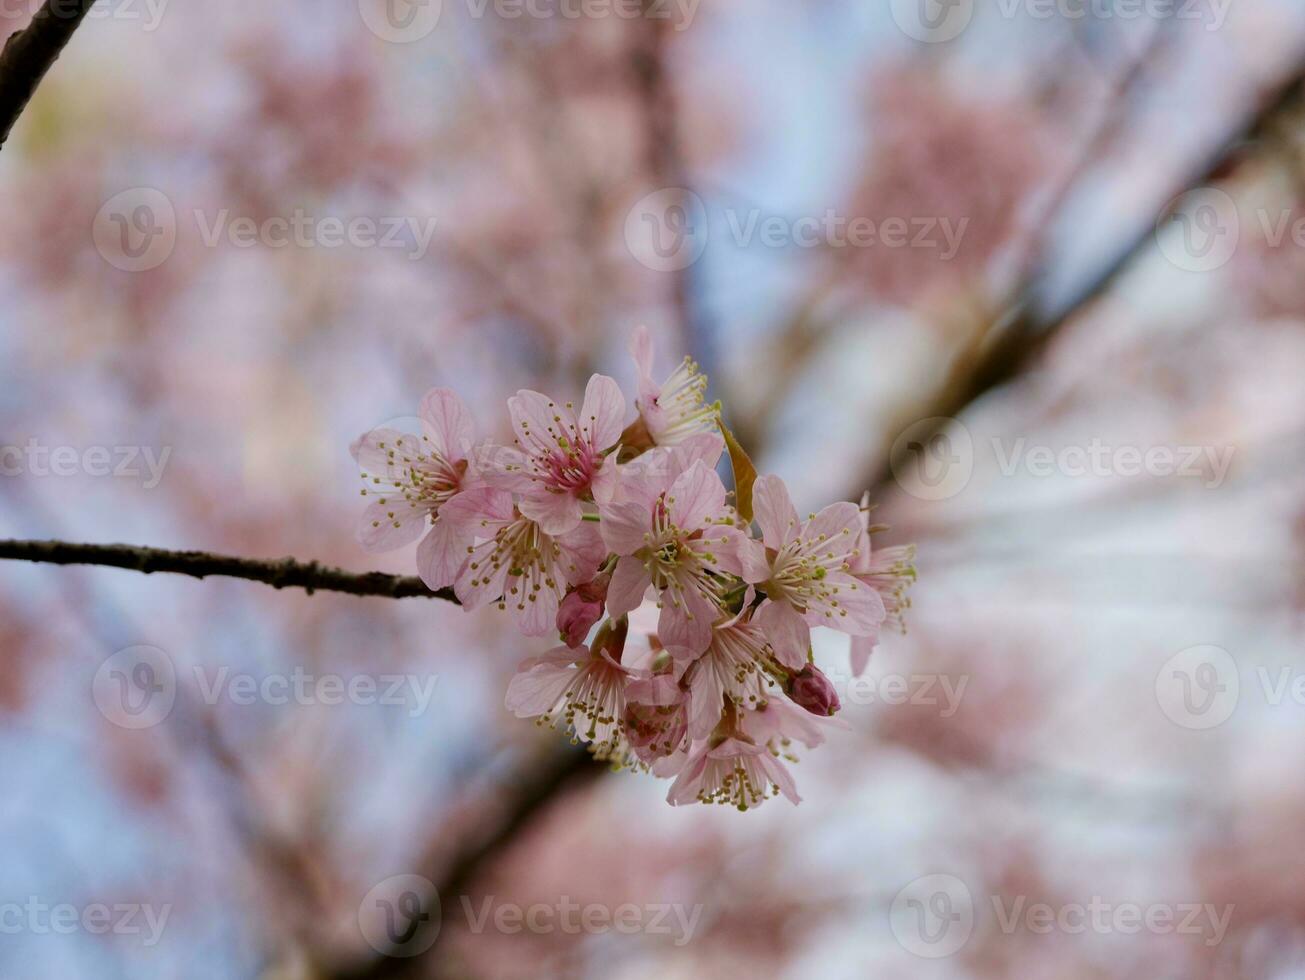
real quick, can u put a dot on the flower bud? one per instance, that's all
(812, 690)
(581, 608)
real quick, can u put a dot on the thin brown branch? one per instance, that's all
(282, 573)
(29, 53)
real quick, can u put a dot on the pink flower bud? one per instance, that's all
(812, 690)
(581, 608)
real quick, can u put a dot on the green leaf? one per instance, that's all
(745, 474)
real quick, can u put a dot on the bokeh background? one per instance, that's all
(1097, 702)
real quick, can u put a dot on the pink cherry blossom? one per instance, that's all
(656, 718)
(515, 562)
(680, 541)
(582, 520)
(805, 573)
(675, 409)
(560, 459)
(734, 771)
(577, 690)
(731, 668)
(779, 723)
(410, 478)
(890, 572)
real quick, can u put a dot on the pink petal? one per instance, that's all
(836, 530)
(394, 523)
(861, 563)
(646, 477)
(660, 690)
(751, 554)
(441, 554)
(862, 647)
(448, 424)
(385, 453)
(602, 416)
(780, 776)
(477, 586)
(583, 551)
(539, 422)
(533, 692)
(689, 781)
(725, 548)
(623, 527)
(641, 351)
(705, 696)
(480, 511)
(788, 633)
(535, 618)
(630, 580)
(860, 610)
(605, 482)
(688, 624)
(695, 497)
(555, 513)
(773, 508)
(705, 446)
(504, 468)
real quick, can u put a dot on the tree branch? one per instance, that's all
(1000, 355)
(283, 573)
(29, 53)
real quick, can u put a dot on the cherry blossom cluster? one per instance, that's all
(684, 610)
